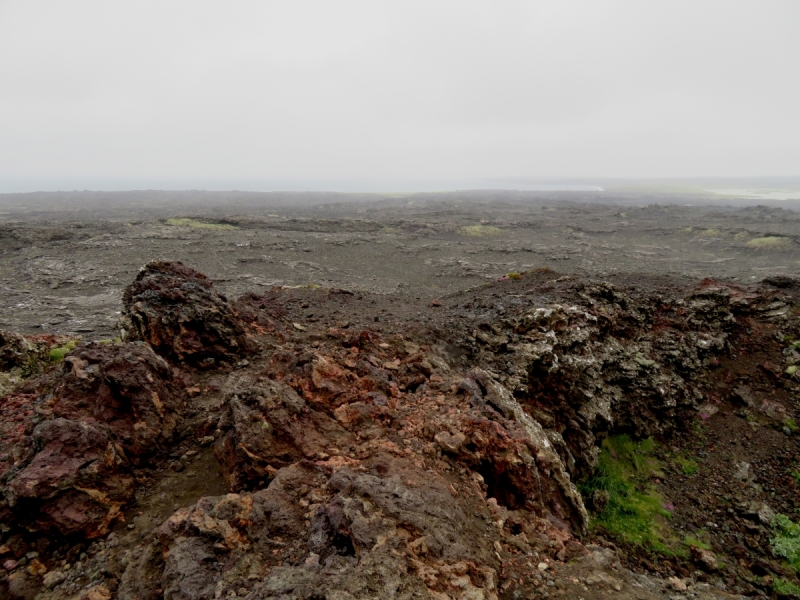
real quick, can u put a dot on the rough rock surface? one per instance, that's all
(610, 361)
(269, 426)
(348, 526)
(23, 356)
(108, 409)
(22, 352)
(405, 462)
(177, 311)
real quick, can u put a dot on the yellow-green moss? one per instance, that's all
(58, 354)
(770, 242)
(183, 222)
(694, 540)
(686, 464)
(480, 231)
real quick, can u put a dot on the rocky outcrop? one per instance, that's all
(109, 409)
(18, 351)
(337, 528)
(268, 426)
(609, 361)
(364, 462)
(551, 479)
(178, 312)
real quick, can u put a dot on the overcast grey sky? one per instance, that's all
(147, 92)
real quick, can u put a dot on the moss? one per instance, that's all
(686, 464)
(786, 541)
(770, 242)
(482, 231)
(514, 276)
(183, 222)
(795, 475)
(710, 233)
(635, 511)
(790, 424)
(58, 354)
(694, 540)
(786, 588)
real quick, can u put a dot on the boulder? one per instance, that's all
(178, 312)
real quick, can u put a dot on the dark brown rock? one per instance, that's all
(269, 426)
(176, 310)
(704, 558)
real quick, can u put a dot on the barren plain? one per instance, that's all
(66, 257)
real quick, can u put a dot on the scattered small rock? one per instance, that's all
(450, 442)
(677, 584)
(704, 558)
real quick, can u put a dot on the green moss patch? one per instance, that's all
(635, 511)
(686, 464)
(694, 540)
(786, 588)
(786, 540)
(710, 233)
(58, 354)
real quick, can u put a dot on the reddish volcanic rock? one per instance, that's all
(17, 411)
(176, 310)
(367, 528)
(111, 407)
(128, 387)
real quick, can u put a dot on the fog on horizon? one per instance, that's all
(312, 94)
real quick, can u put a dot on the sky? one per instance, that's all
(302, 93)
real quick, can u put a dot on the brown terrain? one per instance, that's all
(435, 396)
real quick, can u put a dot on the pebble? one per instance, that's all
(53, 578)
(677, 584)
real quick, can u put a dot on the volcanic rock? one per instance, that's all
(176, 310)
(111, 407)
(18, 351)
(269, 426)
(368, 522)
(608, 362)
(704, 558)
